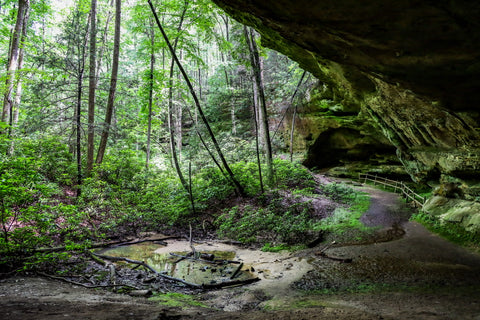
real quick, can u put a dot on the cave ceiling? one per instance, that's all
(412, 66)
(430, 47)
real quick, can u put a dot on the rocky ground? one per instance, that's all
(403, 272)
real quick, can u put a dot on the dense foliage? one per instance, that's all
(162, 169)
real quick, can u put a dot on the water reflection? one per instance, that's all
(194, 271)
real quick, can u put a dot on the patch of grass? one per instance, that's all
(450, 231)
(267, 247)
(179, 300)
(348, 218)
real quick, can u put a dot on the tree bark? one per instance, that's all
(92, 86)
(14, 53)
(113, 84)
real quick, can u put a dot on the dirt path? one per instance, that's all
(416, 276)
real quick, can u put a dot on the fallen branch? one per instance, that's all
(237, 271)
(141, 263)
(229, 283)
(190, 257)
(110, 244)
(190, 284)
(85, 285)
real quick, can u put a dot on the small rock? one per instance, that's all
(140, 293)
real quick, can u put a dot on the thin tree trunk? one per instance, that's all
(104, 40)
(235, 182)
(257, 147)
(22, 12)
(263, 116)
(171, 127)
(92, 86)
(150, 94)
(15, 109)
(292, 130)
(113, 84)
(78, 111)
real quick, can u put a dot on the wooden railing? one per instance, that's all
(397, 186)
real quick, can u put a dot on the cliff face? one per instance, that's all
(412, 66)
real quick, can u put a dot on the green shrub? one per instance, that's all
(277, 222)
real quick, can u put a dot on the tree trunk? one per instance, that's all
(257, 147)
(294, 117)
(150, 94)
(78, 111)
(104, 40)
(113, 84)
(235, 182)
(15, 109)
(22, 14)
(92, 86)
(257, 66)
(171, 127)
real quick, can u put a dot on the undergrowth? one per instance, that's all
(280, 224)
(450, 231)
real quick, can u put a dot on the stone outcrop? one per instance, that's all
(411, 67)
(457, 211)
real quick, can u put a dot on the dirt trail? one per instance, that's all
(416, 276)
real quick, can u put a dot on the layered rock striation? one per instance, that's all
(413, 67)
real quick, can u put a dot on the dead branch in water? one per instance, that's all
(190, 284)
(110, 244)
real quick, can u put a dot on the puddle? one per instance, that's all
(199, 271)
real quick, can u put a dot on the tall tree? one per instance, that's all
(151, 32)
(237, 185)
(78, 110)
(113, 84)
(13, 59)
(15, 107)
(257, 67)
(92, 84)
(171, 126)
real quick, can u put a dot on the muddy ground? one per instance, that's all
(401, 272)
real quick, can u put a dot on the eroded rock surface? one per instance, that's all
(412, 67)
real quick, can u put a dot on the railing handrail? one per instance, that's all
(397, 185)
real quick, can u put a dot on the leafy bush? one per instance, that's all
(339, 192)
(277, 222)
(288, 175)
(51, 158)
(23, 218)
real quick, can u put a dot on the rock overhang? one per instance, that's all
(413, 66)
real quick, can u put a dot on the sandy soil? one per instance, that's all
(416, 275)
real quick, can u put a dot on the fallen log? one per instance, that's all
(83, 284)
(190, 257)
(110, 244)
(189, 284)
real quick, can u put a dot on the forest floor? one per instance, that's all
(401, 272)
